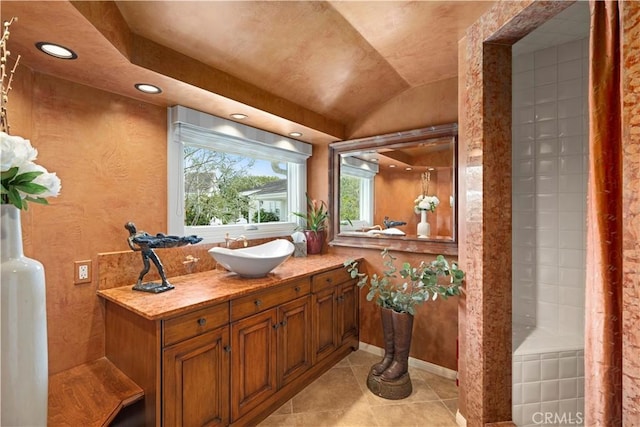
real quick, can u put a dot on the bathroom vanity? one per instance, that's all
(224, 350)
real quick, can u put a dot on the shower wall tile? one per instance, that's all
(549, 186)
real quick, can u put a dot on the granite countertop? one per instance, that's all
(198, 290)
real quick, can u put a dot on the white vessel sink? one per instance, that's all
(255, 261)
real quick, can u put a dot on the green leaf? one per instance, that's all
(26, 177)
(9, 174)
(31, 188)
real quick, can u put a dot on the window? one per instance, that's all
(226, 177)
(356, 193)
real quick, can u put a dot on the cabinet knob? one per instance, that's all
(283, 323)
(202, 321)
(329, 280)
(258, 303)
(297, 289)
(227, 348)
(276, 326)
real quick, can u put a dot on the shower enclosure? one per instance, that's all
(549, 185)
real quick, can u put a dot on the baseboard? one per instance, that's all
(460, 420)
(416, 363)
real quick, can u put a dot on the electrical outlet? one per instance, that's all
(82, 272)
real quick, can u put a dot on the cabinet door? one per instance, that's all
(347, 311)
(325, 319)
(253, 354)
(195, 388)
(294, 339)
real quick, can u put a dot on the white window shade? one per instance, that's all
(191, 127)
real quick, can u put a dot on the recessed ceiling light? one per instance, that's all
(392, 166)
(408, 169)
(238, 116)
(148, 88)
(56, 50)
(295, 134)
(431, 169)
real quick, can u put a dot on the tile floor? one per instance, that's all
(340, 397)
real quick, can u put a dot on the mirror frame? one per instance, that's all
(397, 139)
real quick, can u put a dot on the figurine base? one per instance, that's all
(393, 390)
(154, 288)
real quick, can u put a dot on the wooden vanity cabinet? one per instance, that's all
(234, 362)
(335, 311)
(271, 348)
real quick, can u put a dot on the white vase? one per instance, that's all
(25, 371)
(424, 229)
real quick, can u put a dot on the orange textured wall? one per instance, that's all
(110, 154)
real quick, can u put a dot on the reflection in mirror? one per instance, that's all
(396, 190)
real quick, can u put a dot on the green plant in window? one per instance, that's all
(316, 216)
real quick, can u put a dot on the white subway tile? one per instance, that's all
(547, 129)
(548, 256)
(530, 392)
(546, 166)
(524, 167)
(569, 70)
(550, 407)
(568, 368)
(523, 185)
(572, 145)
(517, 372)
(530, 371)
(570, 89)
(545, 93)
(571, 239)
(571, 277)
(568, 388)
(528, 413)
(570, 165)
(546, 276)
(570, 126)
(546, 239)
(547, 220)
(580, 385)
(516, 394)
(524, 115)
(523, 150)
(571, 183)
(571, 107)
(547, 147)
(524, 97)
(572, 202)
(547, 315)
(547, 202)
(549, 390)
(545, 75)
(570, 51)
(568, 406)
(523, 202)
(571, 220)
(571, 258)
(522, 80)
(546, 111)
(522, 62)
(548, 293)
(549, 369)
(545, 57)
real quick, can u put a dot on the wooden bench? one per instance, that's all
(91, 394)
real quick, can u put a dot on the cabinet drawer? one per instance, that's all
(329, 278)
(194, 323)
(256, 302)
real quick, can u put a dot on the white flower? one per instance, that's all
(16, 151)
(426, 203)
(19, 185)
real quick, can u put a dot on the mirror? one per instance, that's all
(381, 187)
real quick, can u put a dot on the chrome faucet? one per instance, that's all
(228, 239)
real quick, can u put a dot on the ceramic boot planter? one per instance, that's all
(394, 382)
(387, 330)
(402, 328)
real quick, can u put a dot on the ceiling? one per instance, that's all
(313, 67)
